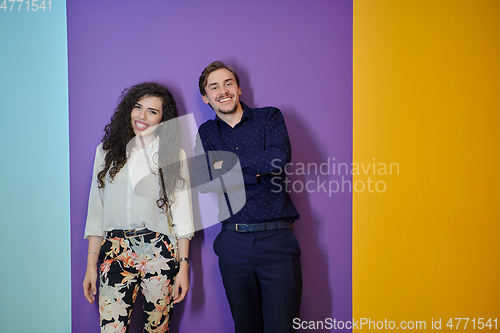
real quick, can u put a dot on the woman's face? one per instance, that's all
(145, 115)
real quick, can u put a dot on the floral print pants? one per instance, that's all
(128, 264)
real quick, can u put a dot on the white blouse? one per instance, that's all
(129, 201)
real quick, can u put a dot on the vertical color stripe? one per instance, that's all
(35, 273)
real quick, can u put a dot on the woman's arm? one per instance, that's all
(89, 282)
(181, 285)
(184, 229)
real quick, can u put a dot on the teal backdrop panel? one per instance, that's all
(34, 194)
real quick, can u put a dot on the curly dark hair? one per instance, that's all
(119, 132)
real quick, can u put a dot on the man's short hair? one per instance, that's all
(202, 81)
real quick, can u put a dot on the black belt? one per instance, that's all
(129, 233)
(254, 227)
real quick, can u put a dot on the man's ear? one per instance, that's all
(204, 98)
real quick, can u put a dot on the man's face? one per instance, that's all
(222, 92)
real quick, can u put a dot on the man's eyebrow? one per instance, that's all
(216, 83)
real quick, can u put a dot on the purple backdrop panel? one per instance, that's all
(296, 55)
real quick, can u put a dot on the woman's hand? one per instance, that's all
(181, 285)
(89, 288)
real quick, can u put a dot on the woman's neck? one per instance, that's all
(142, 142)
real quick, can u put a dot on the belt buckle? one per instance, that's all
(236, 226)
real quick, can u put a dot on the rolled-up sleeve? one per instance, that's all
(93, 226)
(182, 211)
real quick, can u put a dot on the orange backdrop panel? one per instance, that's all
(426, 99)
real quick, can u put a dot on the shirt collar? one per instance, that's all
(247, 113)
(151, 148)
(155, 144)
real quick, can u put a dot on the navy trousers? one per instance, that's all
(262, 277)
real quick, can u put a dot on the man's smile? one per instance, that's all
(224, 99)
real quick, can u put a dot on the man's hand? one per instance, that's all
(218, 165)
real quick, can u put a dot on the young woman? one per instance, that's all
(139, 219)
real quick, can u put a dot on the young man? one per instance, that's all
(259, 256)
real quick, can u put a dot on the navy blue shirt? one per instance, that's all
(260, 142)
